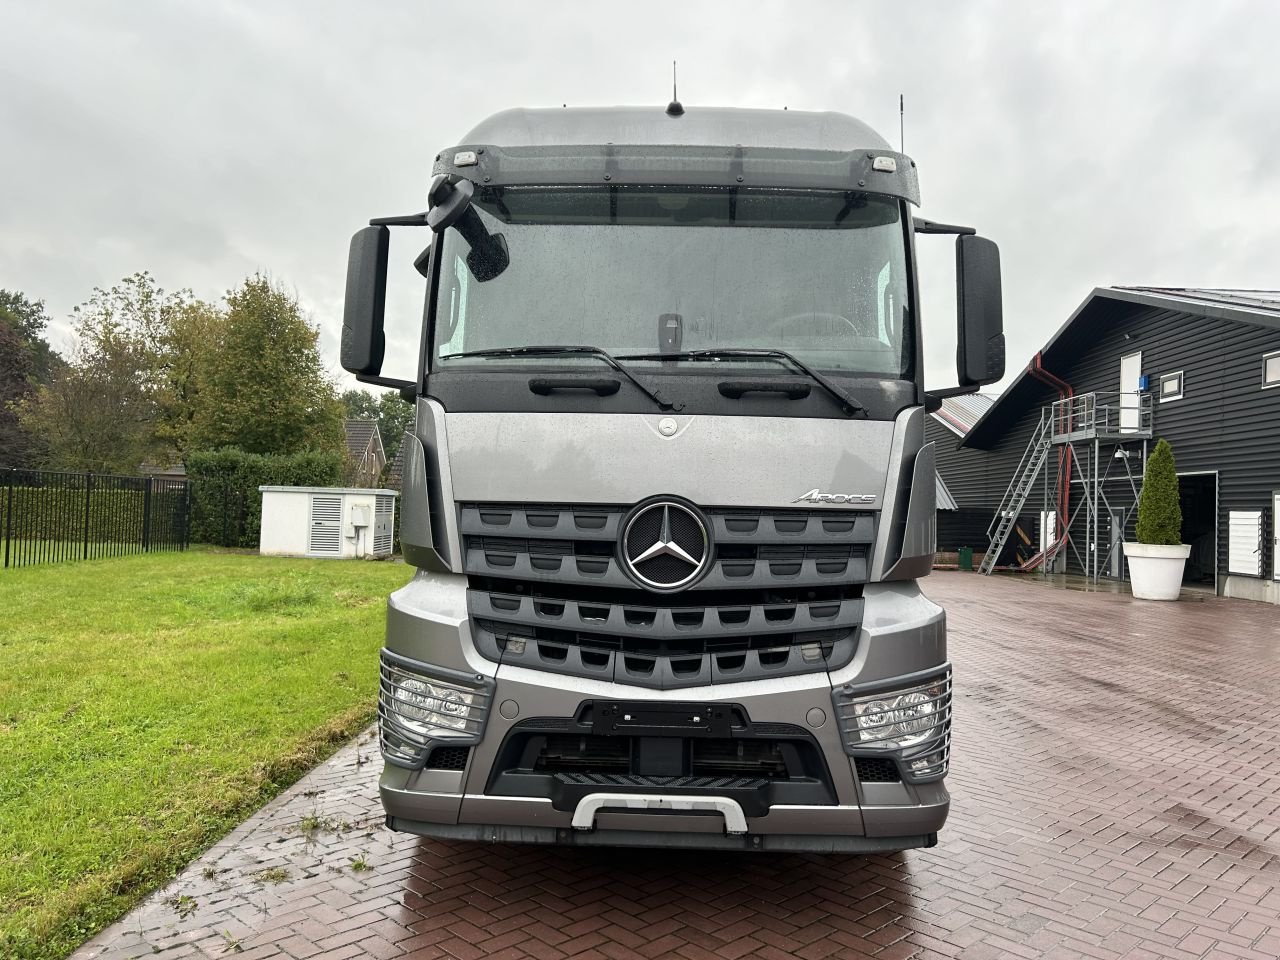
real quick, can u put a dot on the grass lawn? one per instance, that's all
(148, 703)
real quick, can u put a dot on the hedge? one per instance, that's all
(226, 506)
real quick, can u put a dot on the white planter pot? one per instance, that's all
(1155, 570)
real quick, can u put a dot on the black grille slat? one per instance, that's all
(514, 612)
(635, 780)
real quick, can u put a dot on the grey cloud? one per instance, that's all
(1096, 142)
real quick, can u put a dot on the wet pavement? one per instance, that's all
(1116, 793)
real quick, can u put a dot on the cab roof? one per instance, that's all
(696, 126)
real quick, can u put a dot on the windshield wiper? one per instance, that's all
(848, 404)
(567, 351)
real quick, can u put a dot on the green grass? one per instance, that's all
(148, 703)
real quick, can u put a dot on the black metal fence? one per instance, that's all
(46, 516)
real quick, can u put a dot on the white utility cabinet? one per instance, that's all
(337, 522)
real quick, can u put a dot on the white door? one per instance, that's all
(1130, 372)
(1275, 536)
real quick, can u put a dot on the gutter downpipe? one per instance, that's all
(1065, 391)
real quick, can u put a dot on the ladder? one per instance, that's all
(1015, 497)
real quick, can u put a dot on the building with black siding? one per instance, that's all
(1206, 365)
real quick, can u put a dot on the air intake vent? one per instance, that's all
(448, 758)
(876, 770)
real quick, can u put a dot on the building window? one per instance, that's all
(1271, 369)
(1171, 386)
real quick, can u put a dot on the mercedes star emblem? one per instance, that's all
(665, 545)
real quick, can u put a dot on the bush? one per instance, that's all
(1159, 513)
(226, 507)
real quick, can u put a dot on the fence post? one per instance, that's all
(146, 516)
(226, 492)
(88, 489)
(186, 514)
(8, 515)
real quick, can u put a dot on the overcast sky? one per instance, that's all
(1097, 143)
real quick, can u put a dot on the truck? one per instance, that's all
(667, 496)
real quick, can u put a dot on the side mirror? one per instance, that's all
(363, 342)
(979, 312)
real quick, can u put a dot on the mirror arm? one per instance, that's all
(404, 220)
(922, 225)
(379, 381)
(933, 398)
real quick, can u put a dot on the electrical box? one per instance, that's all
(336, 522)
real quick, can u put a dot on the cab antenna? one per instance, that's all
(675, 108)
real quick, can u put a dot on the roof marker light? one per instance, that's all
(884, 164)
(465, 158)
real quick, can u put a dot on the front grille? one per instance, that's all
(781, 597)
(876, 770)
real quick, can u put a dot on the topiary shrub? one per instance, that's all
(1159, 513)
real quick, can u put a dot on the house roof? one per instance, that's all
(359, 433)
(959, 414)
(1256, 307)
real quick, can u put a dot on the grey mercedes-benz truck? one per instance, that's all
(668, 494)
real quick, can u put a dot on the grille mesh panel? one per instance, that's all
(876, 770)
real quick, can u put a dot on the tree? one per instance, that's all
(15, 387)
(359, 405)
(1159, 512)
(29, 320)
(265, 388)
(97, 414)
(128, 394)
(190, 338)
(395, 417)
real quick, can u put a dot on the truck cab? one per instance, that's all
(668, 494)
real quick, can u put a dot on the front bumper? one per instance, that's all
(903, 634)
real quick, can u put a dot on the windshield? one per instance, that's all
(820, 274)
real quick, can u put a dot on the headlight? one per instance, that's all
(427, 705)
(421, 704)
(914, 723)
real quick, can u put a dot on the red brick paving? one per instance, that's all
(1116, 784)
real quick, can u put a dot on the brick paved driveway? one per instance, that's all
(1116, 783)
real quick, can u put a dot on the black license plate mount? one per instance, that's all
(639, 718)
